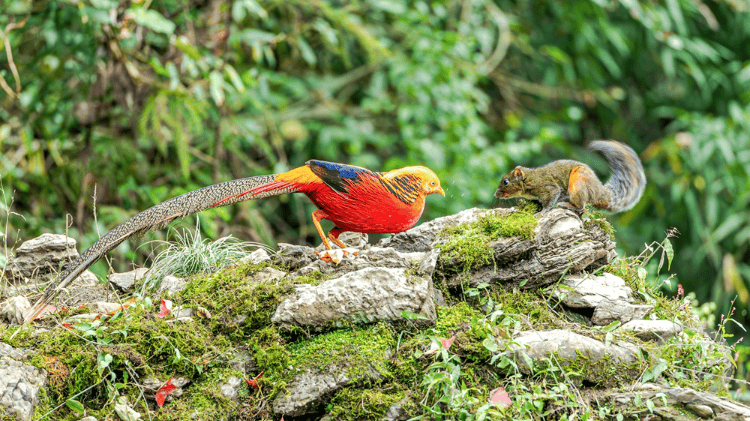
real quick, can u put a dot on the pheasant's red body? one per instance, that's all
(357, 199)
(367, 207)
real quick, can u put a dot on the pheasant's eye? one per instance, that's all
(505, 182)
(432, 183)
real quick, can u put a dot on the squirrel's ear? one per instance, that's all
(517, 172)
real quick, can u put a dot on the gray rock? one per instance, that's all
(19, 383)
(652, 330)
(703, 411)
(609, 311)
(82, 292)
(375, 257)
(231, 388)
(588, 291)
(39, 257)
(567, 348)
(180, 312)
(124, 281)
(12, 309)
(561, 244)
(309, 390)
(86, 279)
(170, 285)
(395, 412)
(242, 361)
(104, 307)
(44, 254)
(294, 256)
(365, 295)
(268, 274)
(260, 255)
(124, 411)
(722, 408)
(88, 419)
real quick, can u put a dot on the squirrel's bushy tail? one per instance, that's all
(628, 180)
(159, 216)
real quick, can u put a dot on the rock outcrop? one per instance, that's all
(388, 332)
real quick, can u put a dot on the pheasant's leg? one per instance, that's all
(317, 216)
(333, 235)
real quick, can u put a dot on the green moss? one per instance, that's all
(453, 317)
(271, 355)
(315, 277)
(355, 404)
(469, 328)
(470, 243)
(136, 340)
(239, 301)
(527, 303)
(202, 397)
(361, 351)
(597, 218)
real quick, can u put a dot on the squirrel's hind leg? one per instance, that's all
(583, 186)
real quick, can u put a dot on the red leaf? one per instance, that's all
(67, 325)
(164, 309)
(500, 397)
(254, 381)
(164, 391)
(447, 342)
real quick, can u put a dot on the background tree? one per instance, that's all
(124, 104)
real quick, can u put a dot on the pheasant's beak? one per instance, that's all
(440, 191)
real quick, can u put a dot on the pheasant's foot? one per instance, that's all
(336, 256)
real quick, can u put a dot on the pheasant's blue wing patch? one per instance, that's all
(334, 175)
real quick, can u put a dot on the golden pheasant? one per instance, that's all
(354, 198)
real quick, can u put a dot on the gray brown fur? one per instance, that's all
(574, 184)
(157, 217)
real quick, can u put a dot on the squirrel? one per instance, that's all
(573, 184)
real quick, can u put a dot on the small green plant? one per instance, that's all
(191, 254)
(5, 215)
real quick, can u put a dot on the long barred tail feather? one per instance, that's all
(157, 217)
(628, 180)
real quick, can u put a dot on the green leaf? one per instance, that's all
(408, 315)
(153, 20)
(235, 78)
(676, 12)
(103, 361)
(217, 87)
(642, 274)
(191, 50)
(390, 6)
(251, 36)
(75, 405)
(670, 252)
(307, 52)
(730, 226)
(83, 327)
(490, 344)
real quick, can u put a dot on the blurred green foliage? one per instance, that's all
(122, 105)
